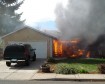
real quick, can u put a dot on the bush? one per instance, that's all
(83, 71)
(45, 65)
(101, 68)
(45, 68)
(65, 69)
(51, 59)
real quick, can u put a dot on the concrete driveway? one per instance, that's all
(19, 72)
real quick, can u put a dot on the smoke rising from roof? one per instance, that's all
(81, 19)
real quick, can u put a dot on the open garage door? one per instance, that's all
(41, 48)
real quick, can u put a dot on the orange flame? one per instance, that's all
(80, 52)
(88, 55)
(57, 47)
(67, 48)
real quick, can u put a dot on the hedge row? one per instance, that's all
(64, 68)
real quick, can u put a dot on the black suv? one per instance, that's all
(19, 52)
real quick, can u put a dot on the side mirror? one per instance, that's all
(34, 49)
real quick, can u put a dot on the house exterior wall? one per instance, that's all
(29, 35)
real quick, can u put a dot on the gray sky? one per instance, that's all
(39, 10)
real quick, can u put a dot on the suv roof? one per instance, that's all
(20, 44)
(17, 47)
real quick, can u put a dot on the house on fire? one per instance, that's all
(42, 42)
(46, 45)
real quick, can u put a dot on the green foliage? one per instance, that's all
(9, 19)
(8, 1)
(63, 68)
(82, 65)
(83, 71)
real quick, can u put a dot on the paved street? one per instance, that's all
(47, 82)
(19, 72)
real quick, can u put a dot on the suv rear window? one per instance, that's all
(14, 49)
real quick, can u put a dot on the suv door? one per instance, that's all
(30, 50)
(32, 53)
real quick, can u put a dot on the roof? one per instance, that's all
(55, 33)
(25, 26)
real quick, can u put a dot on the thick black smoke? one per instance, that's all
(81, 19)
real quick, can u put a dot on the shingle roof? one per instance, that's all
(25, 26)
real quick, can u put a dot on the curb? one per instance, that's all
(61, 79)
(73, 77)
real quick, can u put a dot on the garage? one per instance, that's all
(40, 41)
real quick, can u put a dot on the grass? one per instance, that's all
(90, 65)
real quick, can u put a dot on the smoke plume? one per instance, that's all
(81, 19)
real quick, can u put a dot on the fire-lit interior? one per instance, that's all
(69, 48)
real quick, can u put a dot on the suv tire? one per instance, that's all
(27, 62)
(8, 64)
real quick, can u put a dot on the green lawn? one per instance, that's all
(90, 65)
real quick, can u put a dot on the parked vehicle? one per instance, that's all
(19, 52)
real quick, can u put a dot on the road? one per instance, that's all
(19, 72)
(47, 82)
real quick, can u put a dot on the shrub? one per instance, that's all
(51, 59)
(45, 65)
(101, 68)
(65, 69)
(45, 68)
(83, 71)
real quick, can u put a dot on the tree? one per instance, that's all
(9, 19)
(8, 1)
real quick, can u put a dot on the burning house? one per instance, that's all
(71, 49)
(82, 25)
(77, 48)
(45, 45)
(74, 48)
(50, 46)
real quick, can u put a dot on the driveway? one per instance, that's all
(19, 72)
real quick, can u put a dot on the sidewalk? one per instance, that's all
(75, 77)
